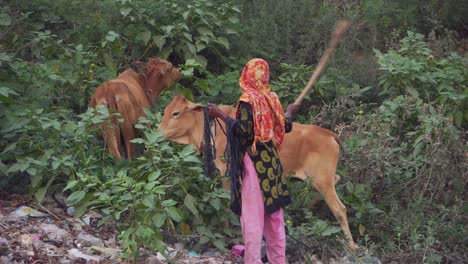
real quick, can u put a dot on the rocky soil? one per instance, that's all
(33, 233)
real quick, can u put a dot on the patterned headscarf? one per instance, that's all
(268, 113)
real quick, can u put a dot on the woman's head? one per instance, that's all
(255, 76)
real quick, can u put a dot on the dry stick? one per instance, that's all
(341, 27)
(50, 213)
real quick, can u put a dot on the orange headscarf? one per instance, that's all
(268, 113)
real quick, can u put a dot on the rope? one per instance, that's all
(209, 150)
(235, 165)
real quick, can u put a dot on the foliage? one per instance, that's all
(162, 191)
(30, 150)
(413, 70)
(397, 99)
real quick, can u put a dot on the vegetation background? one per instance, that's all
(395, 91)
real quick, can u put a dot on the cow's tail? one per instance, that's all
(340, 143)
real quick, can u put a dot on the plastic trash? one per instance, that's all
(237, 250)
(91, 218)
(193, 254)
(75, 253)
(113, 252)
(71, 211)
(23, 211)
(28, 239)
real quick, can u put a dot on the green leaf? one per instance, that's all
(204, 31)
(103, 220)
(40, 194)
(187, 36)
(125, 11)
(31, 171)
(5, 91)
(81, 208)
(362, 229)
(375, 211)
(219, 244)
(191, 159)
(154, 175)
(14, 168)
(173, 214)
(165, 52)
(76, 197)
(216, 203)
(159, 219)
(24, 166)
(185, 15)
(9, 148)
(6, 57)
(70, 185)
(159, 41)
(203, 240)
(35, 180)
(111, 36)
(190, 203)
(187, 150)
(223, 41)
(191, 48)
(149, 201)
(145, 37)
(413, 92)
(167, 203)
(418, 148)
(168, 29)
(5, 19)
(330, 230)
(56, 164)
(150, 185)
(201, 60)
(137, 141)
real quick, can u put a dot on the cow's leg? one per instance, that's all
(128, 134)
(111, 134)
(327, 189)
(128, 113)
(113, 143)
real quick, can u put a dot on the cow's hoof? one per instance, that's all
(353, 247)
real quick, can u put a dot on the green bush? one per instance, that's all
(413, 70)
(161, 192)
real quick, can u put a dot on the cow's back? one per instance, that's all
(308, 149)
(135, 89)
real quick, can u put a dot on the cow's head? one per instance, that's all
(159, 74)
(183, 121)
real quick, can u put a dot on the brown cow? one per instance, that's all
(128, 95)
(308, 151)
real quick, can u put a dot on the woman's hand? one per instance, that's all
(291, 109)
(215, 112)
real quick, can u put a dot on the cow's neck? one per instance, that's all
(196, 137)
(155, 91)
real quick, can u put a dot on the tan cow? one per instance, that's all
(308, 151)
(128, 95)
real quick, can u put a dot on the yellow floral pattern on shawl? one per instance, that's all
(268, 113)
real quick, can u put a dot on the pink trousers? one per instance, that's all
(255, 222)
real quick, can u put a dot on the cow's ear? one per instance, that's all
(195, 107)
(139, 66)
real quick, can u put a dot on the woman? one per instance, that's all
(257, 131)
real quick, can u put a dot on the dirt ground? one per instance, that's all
(33, 233)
